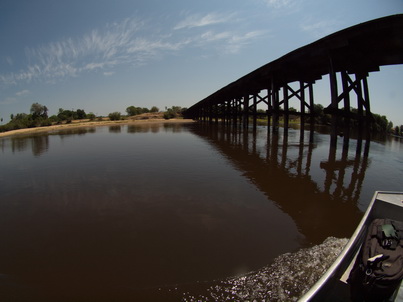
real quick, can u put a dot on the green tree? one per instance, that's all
(53, 119)
(154, 109)
(380, 123)
(389, 127)
(318, 109)
(81, 114)
(66, 115)
(91, 116)
(115, 116)
(131, 110)
(38, 110)
(173, 112)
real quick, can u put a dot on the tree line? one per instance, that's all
(378, 123)
(38, 116)
(132, 111)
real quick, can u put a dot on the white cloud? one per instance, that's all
(130, 42)
(92, 66)
(319, 29)
(108, 73)
(229, 42)
(23, 92)
(211, 36)
(279, 3)
(198, 20)
(7, 79)
(117, 44)
(285, 8)
(239, 41)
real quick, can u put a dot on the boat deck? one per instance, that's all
(333, 285)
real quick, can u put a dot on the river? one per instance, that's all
(178, 211)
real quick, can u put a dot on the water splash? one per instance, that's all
(286, 279)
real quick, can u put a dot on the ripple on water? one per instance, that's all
(286, 279)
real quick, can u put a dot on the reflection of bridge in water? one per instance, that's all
(281, 164)
(346, 56)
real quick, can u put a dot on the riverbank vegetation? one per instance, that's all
(38, 116)
(173, 112)
(378, 123)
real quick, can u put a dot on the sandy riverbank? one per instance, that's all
(79, 124)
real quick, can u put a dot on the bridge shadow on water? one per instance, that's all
(310, 176)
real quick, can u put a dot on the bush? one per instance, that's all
(115, 116)
(173, 112)
(54, 119)
(46, 122)
(80, 113)
(131, 111)
(169, 114)
(91, 116)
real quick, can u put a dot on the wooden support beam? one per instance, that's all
(368, 103)
(286, 107)
(260, 99)
(234, 111)
(245, 110)
(254, 111)
(346, 89)
(275, 102)
(360, 99)
(298, 92)
(285, 98)
(333, 86)
(269, 101)
(300, 95)
(302, 98)
(311, 101)
(210, 113)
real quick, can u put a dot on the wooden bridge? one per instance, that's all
(346, 56)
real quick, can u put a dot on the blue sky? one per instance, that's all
(103, 56)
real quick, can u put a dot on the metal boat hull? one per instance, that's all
(332, 286)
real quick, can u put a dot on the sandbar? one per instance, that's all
(86, 123)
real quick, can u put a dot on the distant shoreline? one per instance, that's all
(81, 124)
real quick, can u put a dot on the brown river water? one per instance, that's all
(179, 212)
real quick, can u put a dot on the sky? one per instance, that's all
(104, 56)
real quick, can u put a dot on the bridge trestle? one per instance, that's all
(346, 56)
(240, 110)
(359, 86)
